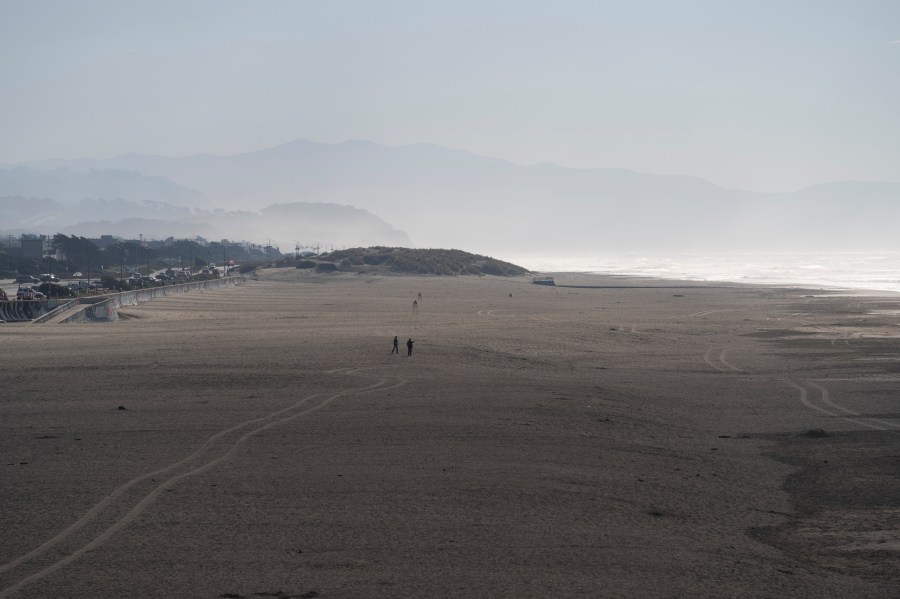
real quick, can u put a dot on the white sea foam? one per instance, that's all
(828, 270)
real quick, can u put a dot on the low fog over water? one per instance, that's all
(828, 270)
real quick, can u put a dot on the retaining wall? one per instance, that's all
(28, 310)
(100, 308)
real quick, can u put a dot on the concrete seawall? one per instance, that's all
(107, 309)
(29, 310)
(99, 308)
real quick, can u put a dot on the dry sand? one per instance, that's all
(683, 441)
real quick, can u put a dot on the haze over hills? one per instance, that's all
(297, 221)
(68, 185)
(453, 198)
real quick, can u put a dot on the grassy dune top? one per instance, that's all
(414, 261)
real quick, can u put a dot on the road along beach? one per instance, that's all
(618, 438)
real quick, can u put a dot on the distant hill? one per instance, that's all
(69, 186)
(337, 224)
(415, 261)
(453, 198)
(42, 215)
(296, 221)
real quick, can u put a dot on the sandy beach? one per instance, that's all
(608, 437)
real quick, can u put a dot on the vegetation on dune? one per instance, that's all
(420, 261)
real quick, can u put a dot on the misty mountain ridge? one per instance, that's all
(454, 198)
(68, 184)
(297, 221)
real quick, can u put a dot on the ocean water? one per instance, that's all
(879, 271)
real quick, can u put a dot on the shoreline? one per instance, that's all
(852, 270)
(725, 284)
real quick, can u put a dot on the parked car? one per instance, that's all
(26, 293)
(77, 274)
(27, 279)
(49, 278)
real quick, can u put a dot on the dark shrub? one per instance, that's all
(326, 267)
(54, 290)
(425, 261)
(489, 268)
(374, 259)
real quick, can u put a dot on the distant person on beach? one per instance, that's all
(409, 344)
(396, 346)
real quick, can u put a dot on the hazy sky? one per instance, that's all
(763, 95)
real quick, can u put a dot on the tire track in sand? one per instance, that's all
(106, 501)
(95, 512)
(842, 335)
(720, 363)
(826, 406)
(705, 313)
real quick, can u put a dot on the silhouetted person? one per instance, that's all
(409, 343)
(396, 349)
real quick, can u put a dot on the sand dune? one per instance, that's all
(567, 442)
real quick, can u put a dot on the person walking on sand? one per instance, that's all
(409, 343)
(396, 349)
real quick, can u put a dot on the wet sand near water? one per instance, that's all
(677, 441)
